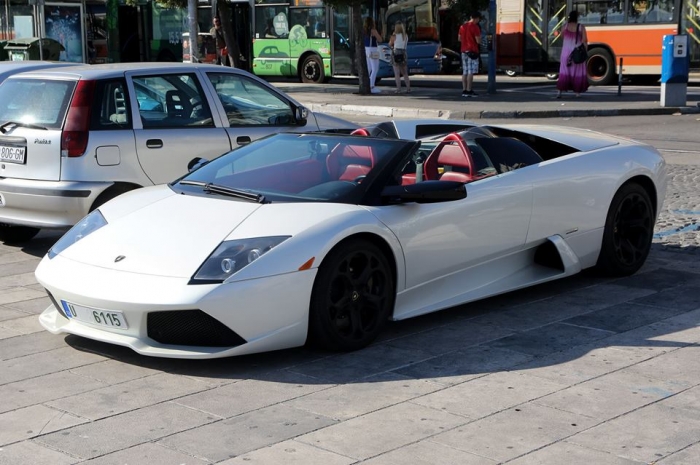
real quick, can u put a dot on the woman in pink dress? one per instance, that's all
(572, 76)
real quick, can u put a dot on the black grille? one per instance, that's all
(190, 328)
(56, 304)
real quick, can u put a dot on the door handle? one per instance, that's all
(243, 140)
(154, 144)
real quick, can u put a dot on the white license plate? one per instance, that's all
(18, 57)
(415, 70)
(10, 154)
(94, 316)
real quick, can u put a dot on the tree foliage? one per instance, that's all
(463, 8)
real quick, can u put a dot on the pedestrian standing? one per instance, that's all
(372, 38)
(469, 38)
(218, 33)
(572, 76)
(399, 60)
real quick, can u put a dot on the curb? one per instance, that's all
(390, 112)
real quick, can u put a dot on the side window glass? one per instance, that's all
(111, 108)
(171, 101)
(247, 103)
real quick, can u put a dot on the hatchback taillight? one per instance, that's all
(77, 128)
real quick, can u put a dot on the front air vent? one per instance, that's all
(190, 328)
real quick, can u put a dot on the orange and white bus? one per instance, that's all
(529, 40)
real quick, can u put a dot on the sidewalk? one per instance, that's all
(443, 100)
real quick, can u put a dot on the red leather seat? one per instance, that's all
(452, 154)
(348, 162)
(360, 132)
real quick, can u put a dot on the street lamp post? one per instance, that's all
(491, 42)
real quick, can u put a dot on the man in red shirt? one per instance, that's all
(469, 39)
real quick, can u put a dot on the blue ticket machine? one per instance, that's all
(675, 66)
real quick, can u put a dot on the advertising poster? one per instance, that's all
(62, 22)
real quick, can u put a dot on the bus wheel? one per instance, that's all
(312, 70)
(601, 67)
(552, 76)
(510, 73)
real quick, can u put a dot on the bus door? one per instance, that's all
(271, 48)
(343, 46)
(543, 42)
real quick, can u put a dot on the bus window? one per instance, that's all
(645, 11)
(308, 22)
(271, 22)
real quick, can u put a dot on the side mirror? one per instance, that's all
(196, 163)
(425, 192)
(301, 114)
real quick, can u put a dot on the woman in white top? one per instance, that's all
(399, 59)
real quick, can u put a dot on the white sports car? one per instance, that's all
(324, 237)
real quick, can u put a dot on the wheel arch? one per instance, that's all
(648, 185)
(112, 191)
(607, 48)
(376, 240)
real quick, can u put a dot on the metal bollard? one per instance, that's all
(619, 79)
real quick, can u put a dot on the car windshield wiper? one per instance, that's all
(230, 191)
(4, 125)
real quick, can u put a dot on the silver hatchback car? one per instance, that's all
(74, 138)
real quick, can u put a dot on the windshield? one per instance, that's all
(35, 101)
(298, 167)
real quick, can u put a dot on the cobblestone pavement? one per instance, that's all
(678, 227)
(579, 371)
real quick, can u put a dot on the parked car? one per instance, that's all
(324, 237)
(72, 139)
(8, 68)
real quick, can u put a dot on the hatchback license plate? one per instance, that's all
(10, 154)
(93, 316)
(415, 70)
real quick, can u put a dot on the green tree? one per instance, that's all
(463, 8)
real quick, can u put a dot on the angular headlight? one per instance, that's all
(232, 256)
(87, 225)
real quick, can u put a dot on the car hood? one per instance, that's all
(159, 232)
(163, 233)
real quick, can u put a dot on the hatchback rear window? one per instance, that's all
(35, 101)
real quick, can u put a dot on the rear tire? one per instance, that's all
(600, 67)
(352, 297)
(629, 229)
(11, 233)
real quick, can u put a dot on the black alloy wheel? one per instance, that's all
(352, 298)
(312, 70)
(629, 229)
(12, 234)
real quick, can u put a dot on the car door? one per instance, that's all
(441, 241)
(251, 109)
(174, 122)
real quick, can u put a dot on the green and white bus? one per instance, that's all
(312, 41)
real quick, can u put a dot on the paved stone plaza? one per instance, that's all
(580, 371)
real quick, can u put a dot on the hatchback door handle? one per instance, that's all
(154, 144)
(242, 140)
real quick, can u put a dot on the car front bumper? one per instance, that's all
(268, 313)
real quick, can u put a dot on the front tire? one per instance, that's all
(352, 297)
(312, 70)
(629, 228)
(11, 233)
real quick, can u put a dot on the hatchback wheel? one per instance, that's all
(11, 233)
(629, 228)
(352, 297)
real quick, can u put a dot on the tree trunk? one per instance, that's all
(360, 54)
(234, 52)
(193, 29)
